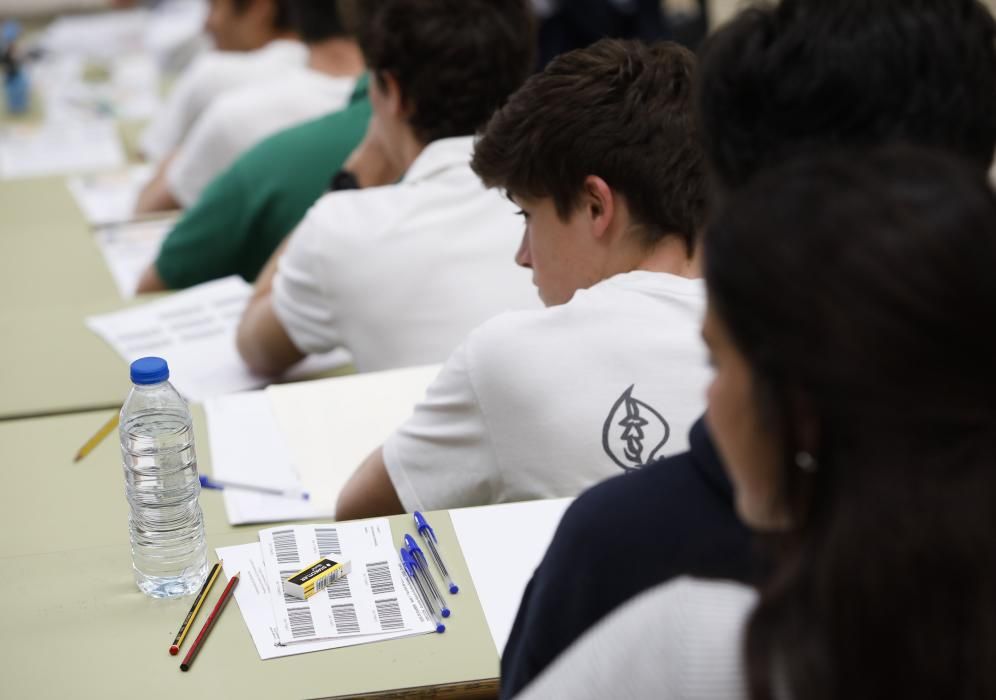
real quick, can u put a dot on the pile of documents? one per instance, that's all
(374, 602)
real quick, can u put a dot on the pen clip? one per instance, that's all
(421, 525)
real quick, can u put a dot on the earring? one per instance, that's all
(806, 462)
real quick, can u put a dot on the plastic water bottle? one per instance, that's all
(169, 554)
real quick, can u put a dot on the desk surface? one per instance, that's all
(48, 255)
(88, 632)
(50, 362)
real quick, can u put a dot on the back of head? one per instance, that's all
(804, 75)
(319, 20)
(620, 110)
(455, 61)
(861, 293)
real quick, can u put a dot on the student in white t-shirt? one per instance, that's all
(254, 43)
(399, 273)
(241, 118)
(601, 154)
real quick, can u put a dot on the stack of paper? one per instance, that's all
(110, 197)
(194, 331)
(493, 536)
(55, 149)
(309, 436)
(130, 248)
(374, 602)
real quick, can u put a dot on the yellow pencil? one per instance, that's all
(188, 621)
(104, 431)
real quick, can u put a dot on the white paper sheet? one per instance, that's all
(109, 198)
(194, 330)
(331, 425)
(28, 150)
(374, 599)
(103, 34)
(120, 86)
(502, 546)
(263, 460)
(253, 597)
(129, 248)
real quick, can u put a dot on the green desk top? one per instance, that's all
(50, 362)
(76, 626)
(48, 256)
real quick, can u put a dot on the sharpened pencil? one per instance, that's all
(188, 621)
(209, 623)
(104, 431)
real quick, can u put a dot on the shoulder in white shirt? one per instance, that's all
(400, 274)
(241, 118)
(682, 640)
(543, 404)
(210, 75)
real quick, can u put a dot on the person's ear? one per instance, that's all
(599, 204)
(394, 102)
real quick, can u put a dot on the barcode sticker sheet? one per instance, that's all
(376, 598)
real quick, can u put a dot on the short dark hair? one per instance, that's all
(859, 288)
(456, 61)
(318, 20)
(621, 110)
(281, 13)
(778, 81)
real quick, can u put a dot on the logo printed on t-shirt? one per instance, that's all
(634, 432)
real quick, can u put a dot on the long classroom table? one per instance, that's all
(75, 625)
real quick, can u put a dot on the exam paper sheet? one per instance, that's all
(130, 248)
(253, 597)
(110, 197)
(36, 150)
(374, 599)
(503, 545)
(262, 461)
(194, 330)
(332, 425)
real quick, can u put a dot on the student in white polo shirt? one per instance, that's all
(243, 117)
(398, 274)
(254, 42)
(601, 153)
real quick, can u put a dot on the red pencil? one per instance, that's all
(209, 623)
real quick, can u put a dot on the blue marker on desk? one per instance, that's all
(219, 485)
(421, 565)
(429, 536)
(409, 564)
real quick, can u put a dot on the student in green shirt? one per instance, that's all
(247, 211)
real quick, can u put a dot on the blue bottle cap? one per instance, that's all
(149, 370)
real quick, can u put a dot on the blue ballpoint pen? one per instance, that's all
(429, 536)
(421, 565)
(409, 564)
(219, 485)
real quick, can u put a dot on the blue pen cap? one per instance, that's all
(413, 547)
(149, 370)
(407, 561)
(422, 526)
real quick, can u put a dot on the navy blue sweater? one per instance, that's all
(623, 536)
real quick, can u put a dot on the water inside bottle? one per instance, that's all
(169, 554)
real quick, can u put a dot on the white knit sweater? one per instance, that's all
(679, 641)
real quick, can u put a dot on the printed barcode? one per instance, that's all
(284, 575)
(379, 576)
(301, 623)
(389, 614)
(339, 589)
(345, 620)
(285, 546)
(321, 584)
(327, 539)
